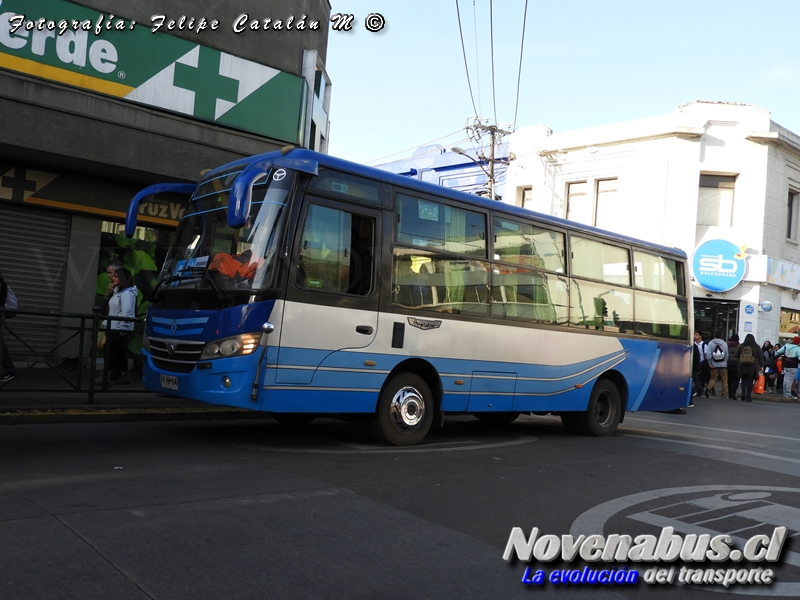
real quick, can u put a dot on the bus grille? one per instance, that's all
(179, 356)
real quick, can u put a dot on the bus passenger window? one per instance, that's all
(528, 245)
(436, 226)
(603, 262)
(427, 281)
(531, 296)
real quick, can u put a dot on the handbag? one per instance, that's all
(758, 387)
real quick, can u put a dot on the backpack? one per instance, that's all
(718, 354)
(746, 357)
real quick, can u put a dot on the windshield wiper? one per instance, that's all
(207, 275)
(195, 273)
(169, 279)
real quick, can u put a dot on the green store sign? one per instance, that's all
(64, 42)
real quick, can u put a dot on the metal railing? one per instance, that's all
(73, 330)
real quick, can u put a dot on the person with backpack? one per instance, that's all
(717, 357)
(733, 366)
(789, 354)
(750, 363)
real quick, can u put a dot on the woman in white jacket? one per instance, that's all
(121, 295)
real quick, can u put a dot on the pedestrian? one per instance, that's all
(717, 357)
(698, 364)
(733, 366)
(789, 354)
(770, 373)
(121, 295)
(9, 371)
(750, 364)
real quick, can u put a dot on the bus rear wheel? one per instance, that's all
(405, 411)
(602, 415)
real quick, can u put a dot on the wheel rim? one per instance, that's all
(604, 410)
(407, 409)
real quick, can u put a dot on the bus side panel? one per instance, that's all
(669, 380)
(342, 384)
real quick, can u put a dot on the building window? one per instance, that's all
(593, 202)
(579, 206)
(527, 196)
(715, 200)
(607, 211)
(791, 216)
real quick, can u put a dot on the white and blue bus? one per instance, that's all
(304, 285)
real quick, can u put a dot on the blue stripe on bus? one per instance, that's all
(647, 381)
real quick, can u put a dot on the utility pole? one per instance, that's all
(477, 130)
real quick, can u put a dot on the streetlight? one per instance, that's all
(489, 174)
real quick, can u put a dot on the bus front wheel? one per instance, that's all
(405, 411)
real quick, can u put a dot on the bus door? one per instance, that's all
(332, 293)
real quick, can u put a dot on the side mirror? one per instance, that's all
(159, 188)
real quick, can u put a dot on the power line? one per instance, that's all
(519, 74)
(491, 52)
(417, 146)
(477, 54)
(464, 52)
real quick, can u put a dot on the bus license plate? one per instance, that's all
(169, 382)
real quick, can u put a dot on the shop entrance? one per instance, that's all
(710, 315)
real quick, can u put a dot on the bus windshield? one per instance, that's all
(209, 257)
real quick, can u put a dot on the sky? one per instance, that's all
(585, 63)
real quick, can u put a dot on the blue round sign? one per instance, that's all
(749, 309)
(718, 265)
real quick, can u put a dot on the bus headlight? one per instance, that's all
(238, 345)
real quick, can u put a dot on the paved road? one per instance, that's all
(251, 509)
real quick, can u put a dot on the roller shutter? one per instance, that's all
(33, 258)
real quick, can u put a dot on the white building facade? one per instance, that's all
(719, 180)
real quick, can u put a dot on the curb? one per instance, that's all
(110, 415)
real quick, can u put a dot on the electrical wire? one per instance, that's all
(460, 141)
(491, 53)
(477, 54)
(464, 52)
(519, 74)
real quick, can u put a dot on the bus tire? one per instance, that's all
(405, 411)
(294, 419)
(496, 419)
(604, 412)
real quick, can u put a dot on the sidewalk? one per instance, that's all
(767, 396)
(41, 396)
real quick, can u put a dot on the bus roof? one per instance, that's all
(325, 160)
